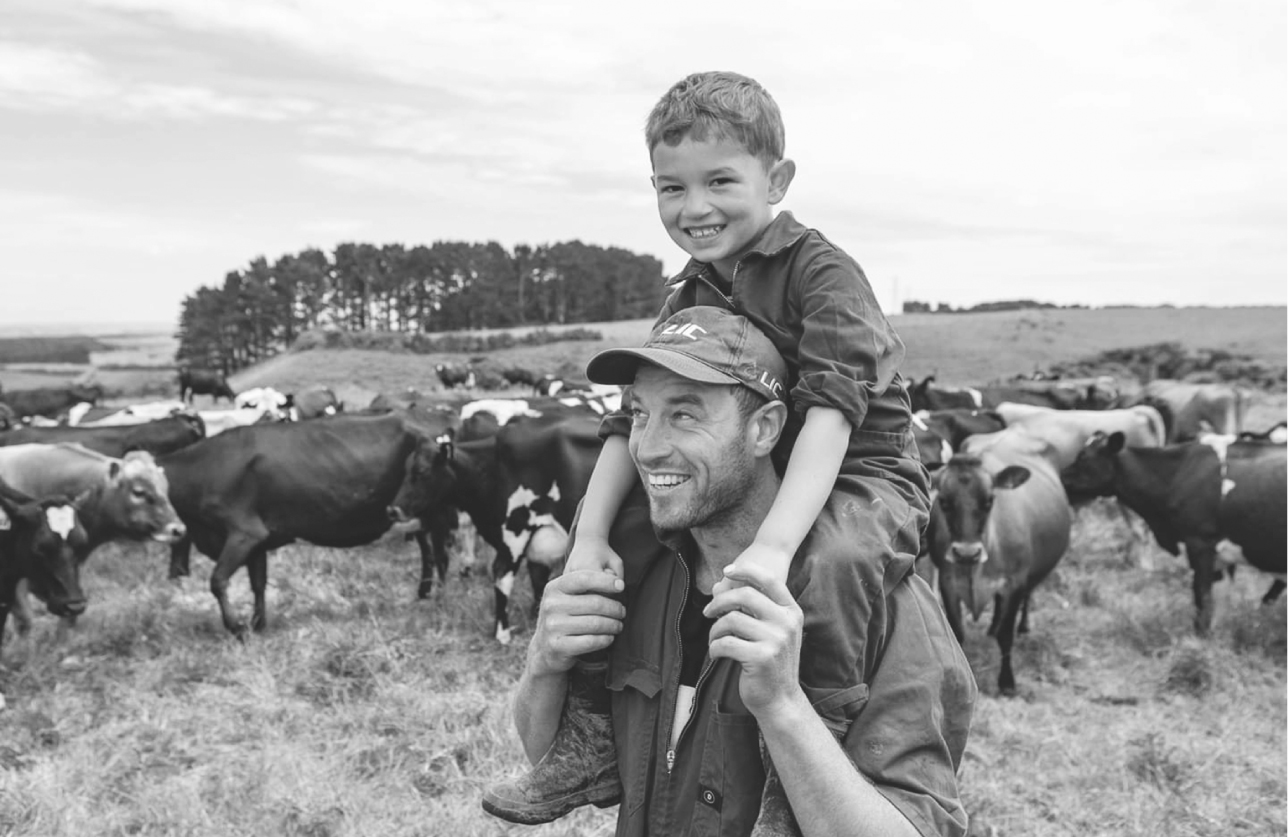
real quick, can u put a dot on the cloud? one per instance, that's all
(35, 221)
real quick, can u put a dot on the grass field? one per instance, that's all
(361, 711)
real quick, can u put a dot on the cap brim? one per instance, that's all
(618, 366)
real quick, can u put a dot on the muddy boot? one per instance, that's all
(776, 818)
(579, 769)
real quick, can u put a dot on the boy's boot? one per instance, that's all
(581, 766)
(776, 818)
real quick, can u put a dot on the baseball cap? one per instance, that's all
(706, 344)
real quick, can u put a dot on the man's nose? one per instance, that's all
(650, 442)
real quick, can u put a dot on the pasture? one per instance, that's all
(361, 711)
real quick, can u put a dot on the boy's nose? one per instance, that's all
(695, 203)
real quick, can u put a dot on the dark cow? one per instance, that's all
(453, 375)
(316, 401)
(956, 426)
(520, 488)
(204, 382)
(1196, 494)
(50, 402)
(155, 437)
(253, 489)
(520, 376)
(8, 418)
(40, 543)
(999, 522)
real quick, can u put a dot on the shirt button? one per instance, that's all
(708, 797)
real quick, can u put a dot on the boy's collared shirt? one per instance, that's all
(813, 301)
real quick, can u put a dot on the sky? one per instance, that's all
(1122, 152)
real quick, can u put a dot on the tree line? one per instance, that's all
(263, 308)
(914, 306)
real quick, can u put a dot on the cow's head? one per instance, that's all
(50, 537)
(430, 477)
(1093, 473)
(964, 493)
(136, 500)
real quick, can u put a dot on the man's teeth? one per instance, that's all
(665, 480)
(704, 232)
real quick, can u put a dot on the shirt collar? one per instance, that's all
(782, 232)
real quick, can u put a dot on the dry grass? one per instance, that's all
(362, 711)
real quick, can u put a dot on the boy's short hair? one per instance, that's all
(719, 105)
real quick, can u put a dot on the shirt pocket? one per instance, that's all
(730, 778)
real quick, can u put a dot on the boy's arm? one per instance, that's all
(811, 474)
(610, 482)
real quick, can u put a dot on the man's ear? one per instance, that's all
(767, 425)
(780, 177)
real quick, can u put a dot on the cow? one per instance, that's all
(135, 414)
(204, 382)
(1191, 409)
(932, 448)
(314, 402)
(520, 376)
(1276, 434)
(453, 375)
(155, 437)
(1196, 494)
(39, 545)
(50, 402)
(1069, 430)
(253, 489)
(217, 421)
(8, 418)
(999, 518)
(520, 487)
(955, 426)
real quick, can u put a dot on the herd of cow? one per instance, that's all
(1006, 464)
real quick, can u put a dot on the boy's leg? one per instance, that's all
(863, 543)
(581, 765)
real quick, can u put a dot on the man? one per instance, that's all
(705, 661)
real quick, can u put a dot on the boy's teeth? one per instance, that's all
(704, 232)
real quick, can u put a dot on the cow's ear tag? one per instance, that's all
(5, 522)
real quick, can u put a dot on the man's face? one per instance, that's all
(713, 198)
(692, 448)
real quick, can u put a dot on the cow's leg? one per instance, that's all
(503, 569)
(180, 551)
(993, 624)
(427, 562)
(1272, 595)
(21, 604)
(1006, 638)
(1024, 615)
(1202, 555)
(257, 568)
(237, 548)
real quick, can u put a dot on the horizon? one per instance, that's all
(1123, 154)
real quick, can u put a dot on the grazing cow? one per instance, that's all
(1069, 430)
(520, 376)
(40, 542)
(316, 401)
(1191, 409)
(999, 522)
(955, 426)
(1197, 494)
(454, 375)
(254, 489)
(155, 437)
(50, 402)
(204, 382)
(520, 488)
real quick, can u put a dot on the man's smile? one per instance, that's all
(666, 480)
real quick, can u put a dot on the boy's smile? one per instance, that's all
(714, 198)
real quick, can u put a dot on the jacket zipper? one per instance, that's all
(702, 675)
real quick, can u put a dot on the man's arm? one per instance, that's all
(577, 616)
(760, 626)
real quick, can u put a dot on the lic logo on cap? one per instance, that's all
(688, 330)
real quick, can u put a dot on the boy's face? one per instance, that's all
(714, 198)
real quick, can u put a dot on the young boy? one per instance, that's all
(850, 471)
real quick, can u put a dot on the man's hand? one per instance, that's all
(759, 625)
(577, 616)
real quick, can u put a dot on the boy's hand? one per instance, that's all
(772, 561)
(593, 553)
